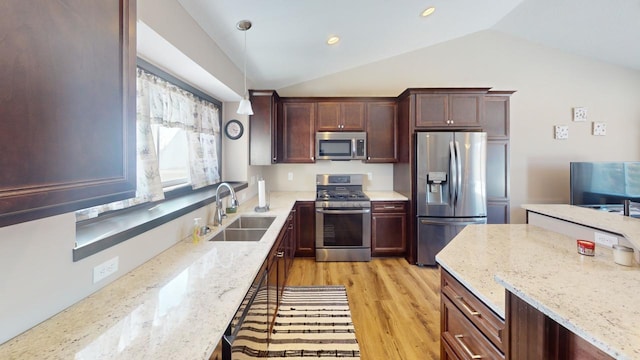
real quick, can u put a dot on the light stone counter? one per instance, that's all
(591, 296)
(175, 306)
(626, 226)
(385, 196)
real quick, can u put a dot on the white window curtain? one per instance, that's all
(160, 102)
(171, 106)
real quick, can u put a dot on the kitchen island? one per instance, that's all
(592, 297)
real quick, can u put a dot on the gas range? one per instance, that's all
(340, 191)
(343, 219)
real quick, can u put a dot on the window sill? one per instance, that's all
(95, 235)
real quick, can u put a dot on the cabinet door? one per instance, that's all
(432, 110)
(352, 116)
(305, 229)
(298, 132)
(451, 110)
(328, 116)
(67, 134)
(464, 110)
(262, 129)
(388, 228)
(498, 170)
(498, 212)
(495, 121)
(382, 132)
(340, 116)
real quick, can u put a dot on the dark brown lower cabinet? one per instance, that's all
(536, 336)
(468, 327)
(470, 330)
(305, 228)
(388, 228)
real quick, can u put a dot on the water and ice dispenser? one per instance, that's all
(435, 182)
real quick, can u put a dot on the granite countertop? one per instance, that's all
(385, 196)
(626, 226)
(175, 306)
(591, 296)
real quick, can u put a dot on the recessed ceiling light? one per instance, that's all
(332, 40)
(428, 11)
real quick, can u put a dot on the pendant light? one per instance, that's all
(245, 105)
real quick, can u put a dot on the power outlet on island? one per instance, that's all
(604, 239)
(105, 269)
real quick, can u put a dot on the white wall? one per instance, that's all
(549, 84)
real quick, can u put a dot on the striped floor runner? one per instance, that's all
(313, 322)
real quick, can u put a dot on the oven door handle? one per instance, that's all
(360, 211)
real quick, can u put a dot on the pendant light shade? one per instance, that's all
(245, 105)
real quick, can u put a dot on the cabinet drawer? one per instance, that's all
(490, 324)
(461, 336)
(388, 206)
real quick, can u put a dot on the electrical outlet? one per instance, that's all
(290, 176)
(105, 269)
(604, 239)
(370, 176)
(252, 180)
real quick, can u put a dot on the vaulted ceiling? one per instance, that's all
(287, 42)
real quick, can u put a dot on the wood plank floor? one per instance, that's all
(395, 306)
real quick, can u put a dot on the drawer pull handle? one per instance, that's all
(466, 348)
(280, 254)
(390, 207)
(466, 307)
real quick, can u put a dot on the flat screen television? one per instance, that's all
(604, 183)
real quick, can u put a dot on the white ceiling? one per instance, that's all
(286, 44)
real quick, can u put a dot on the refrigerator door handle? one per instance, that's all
(458, 172)
(457, 223)
(454, 176)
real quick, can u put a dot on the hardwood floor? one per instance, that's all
(395, 306)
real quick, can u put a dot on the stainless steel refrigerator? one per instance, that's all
(451, 188)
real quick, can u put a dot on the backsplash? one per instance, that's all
(377, 177)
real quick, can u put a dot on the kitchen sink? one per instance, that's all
(252, 222)
(235, 234)
(245, 228)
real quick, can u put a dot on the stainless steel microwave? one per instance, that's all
(341, 145)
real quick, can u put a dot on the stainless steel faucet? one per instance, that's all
(220, 213)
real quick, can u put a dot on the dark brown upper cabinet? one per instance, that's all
(496, 115)
(382, 132)
(340, 116)
(296, 131)
(446, 108)
(67, 106)
(263, 140)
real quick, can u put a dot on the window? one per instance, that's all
(178, 144)
(173, 156)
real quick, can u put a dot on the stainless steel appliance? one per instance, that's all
(343, 219)
(341, 145)
(451, 188)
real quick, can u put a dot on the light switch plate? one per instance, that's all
(599, 128)
(579, 114)
(562, 132)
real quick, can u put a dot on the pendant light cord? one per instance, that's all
(245, 63)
